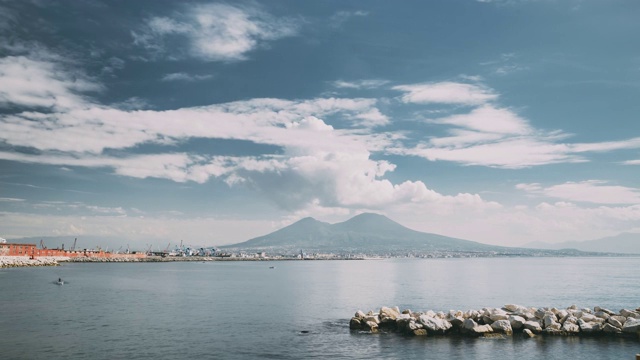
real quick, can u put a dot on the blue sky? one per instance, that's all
(503, 122)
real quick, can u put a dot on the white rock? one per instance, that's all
(482, 329)
(360, 314)
(570, 327)
(549, 320)
(632, 325)
(434, 324)
(533, 326)
(469, 324)
(502, 326)
(517, 322)
(614, 322)
(498, 314)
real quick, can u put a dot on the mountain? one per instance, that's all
(363, 233)
(624, 243)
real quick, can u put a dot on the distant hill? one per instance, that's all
(625, 243)
(363, 233)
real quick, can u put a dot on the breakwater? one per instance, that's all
(20, 261)
(505, 321)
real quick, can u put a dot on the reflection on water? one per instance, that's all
(246, 310)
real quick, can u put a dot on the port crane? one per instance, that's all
(74, 244)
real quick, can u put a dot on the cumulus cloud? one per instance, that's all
(446, 93)
(214, 32)
(590, 191)
(32, 82)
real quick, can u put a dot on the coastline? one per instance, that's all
(25, 261)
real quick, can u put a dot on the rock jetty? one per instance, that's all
(506, 321)
(19, 261)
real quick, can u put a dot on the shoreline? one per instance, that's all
(25, 261)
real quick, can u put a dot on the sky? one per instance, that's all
(503, 122)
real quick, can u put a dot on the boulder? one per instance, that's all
(632, 325)
(533, 326)
(517, 322)
(528, 333)
(387, 314)
(498, 314)
(371, 326)
(434, 325)
(502, 326)
(360, 314)
(620, 319)
(469, 324)
(549, 320)
(355, 324)
(372, 318)
(601, 315)
(614, 322)
(588, 327)
(570, 328)
(402, 323)
(482, 329)
(628, 313)
(608, 328)
(587, 317)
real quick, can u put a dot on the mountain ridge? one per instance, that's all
(363, 232)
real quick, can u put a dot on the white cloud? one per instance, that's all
(632, 162)
(30, 82)
(339, 18)
(488, 119)
(215, 32)
(360, 84)
(181, 76)
(590, 191)
(446, 93)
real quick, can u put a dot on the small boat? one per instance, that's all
(272, 267)
(59, 282)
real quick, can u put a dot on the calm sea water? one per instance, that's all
(244, 310)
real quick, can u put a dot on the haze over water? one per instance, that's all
(246, 310)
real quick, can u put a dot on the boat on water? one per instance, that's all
(59, 282)
(272, 267)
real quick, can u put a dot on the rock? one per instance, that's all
(587, 317)
(528, 333)
(372, 318)
(632, 325)
(628, 313)
(482, 329)
(515, 308)
(608, 328)
(533, 326)
(355, 324)
(570, 319)
(621, 319)
(554, 327)
(420, 332)
(549, 320)
(614, 322)
(540, 313)
(434, 325)
(456, 322)
(469, 324)
(570, 328)
(359, 314)
(371, 326)
(601, 314)
(402, 323)
(498, 314)
(502, 326)
(587, 327)
(517, 322)
(387, 314)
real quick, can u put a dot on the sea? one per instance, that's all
(298, 309)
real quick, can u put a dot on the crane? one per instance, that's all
(42, 244)
(167, 249)
(74, 244)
